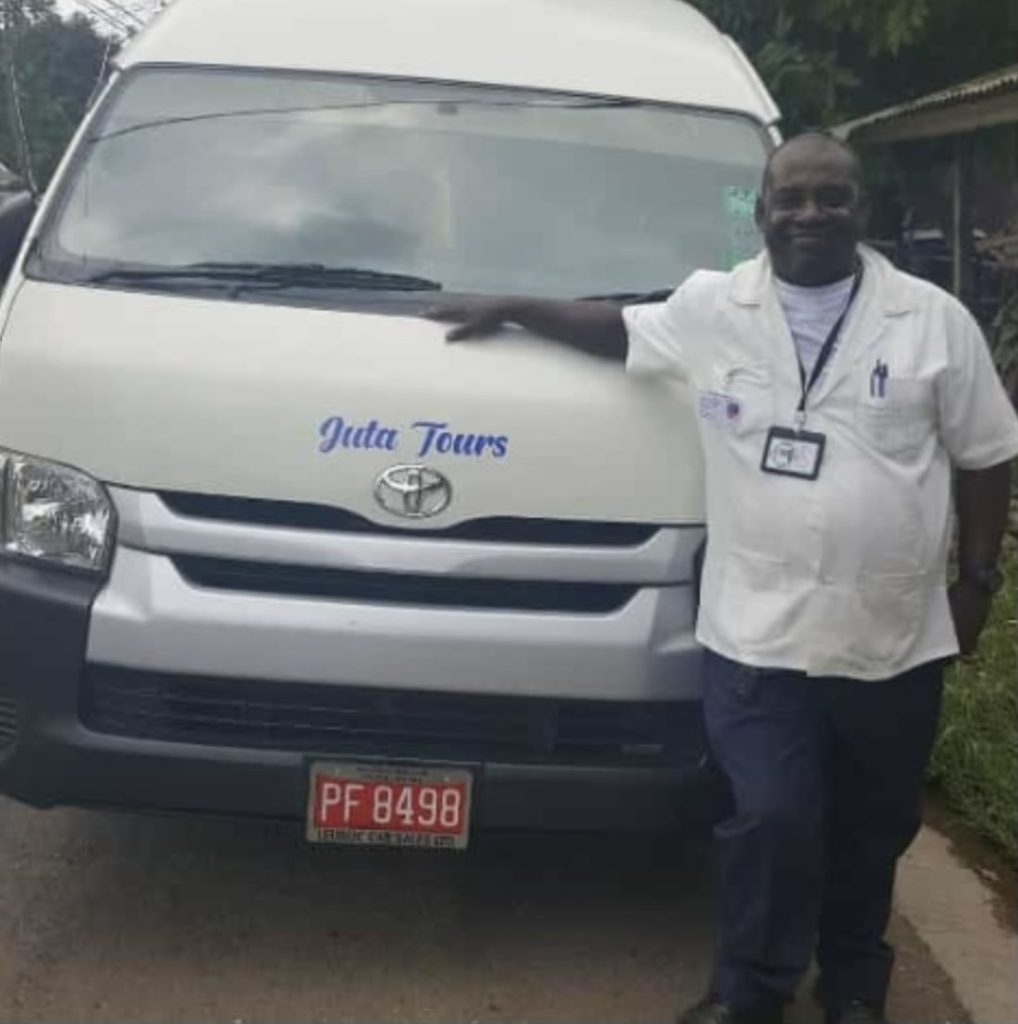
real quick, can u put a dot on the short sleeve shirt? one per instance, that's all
(844, 575)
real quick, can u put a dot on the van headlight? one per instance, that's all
(54, 513)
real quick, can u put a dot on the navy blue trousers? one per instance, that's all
(826, 776)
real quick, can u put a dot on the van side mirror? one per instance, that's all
(16, 212)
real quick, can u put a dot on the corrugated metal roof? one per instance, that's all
(993, 84)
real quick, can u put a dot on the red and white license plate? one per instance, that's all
(389, 805)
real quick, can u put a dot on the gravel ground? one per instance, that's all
(117, 918)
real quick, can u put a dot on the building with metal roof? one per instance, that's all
(982, 102)
(954, 113)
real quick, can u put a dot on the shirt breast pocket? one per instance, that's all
(899, 417)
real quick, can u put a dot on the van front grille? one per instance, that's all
(371, 722)
(503, 530)
(405, 589)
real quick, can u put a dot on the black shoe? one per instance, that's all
(714, 1011)
(857, 1012)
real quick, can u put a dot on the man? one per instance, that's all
(835, 395)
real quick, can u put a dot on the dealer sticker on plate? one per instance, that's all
(389, 805)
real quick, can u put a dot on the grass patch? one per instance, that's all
(975, 763)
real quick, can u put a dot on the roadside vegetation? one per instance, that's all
(58, 63)
(975, 764)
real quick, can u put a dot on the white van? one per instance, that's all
(269, 545)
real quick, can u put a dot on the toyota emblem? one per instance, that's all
(413, 492)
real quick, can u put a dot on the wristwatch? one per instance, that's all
(988, 578)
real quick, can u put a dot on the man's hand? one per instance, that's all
(478, 319)
(593, 327)
(982, 498)
(970, 607)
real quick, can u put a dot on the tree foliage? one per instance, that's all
(58, 64)
(826, 60)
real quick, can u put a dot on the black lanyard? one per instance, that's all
(824, 355)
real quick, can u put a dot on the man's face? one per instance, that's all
(810, 212)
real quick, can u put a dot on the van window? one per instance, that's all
(479, 190)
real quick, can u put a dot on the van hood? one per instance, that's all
(167, 393)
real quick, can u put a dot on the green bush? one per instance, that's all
(975, 763)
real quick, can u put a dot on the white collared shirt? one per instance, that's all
(844, 575)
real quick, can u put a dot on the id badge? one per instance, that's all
(793, 453)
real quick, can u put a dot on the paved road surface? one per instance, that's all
(117, 918)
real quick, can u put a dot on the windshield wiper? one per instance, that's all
(271, 275)
(630, 298)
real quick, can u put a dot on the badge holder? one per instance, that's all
(797, 453)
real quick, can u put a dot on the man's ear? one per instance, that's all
(758, 212)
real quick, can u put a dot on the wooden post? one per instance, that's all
(961, 247)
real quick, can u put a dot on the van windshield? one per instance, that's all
(195, 177)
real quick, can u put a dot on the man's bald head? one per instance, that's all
(814, 144)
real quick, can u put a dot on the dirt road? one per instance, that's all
(117, 918)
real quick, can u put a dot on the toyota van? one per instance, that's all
(269, 545)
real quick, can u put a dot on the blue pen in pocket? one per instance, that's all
(878, 380)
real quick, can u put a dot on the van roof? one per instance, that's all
(646, 49)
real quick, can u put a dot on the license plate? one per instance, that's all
(389, 805)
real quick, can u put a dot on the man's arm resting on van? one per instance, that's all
(593, 327)
(982, 499)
